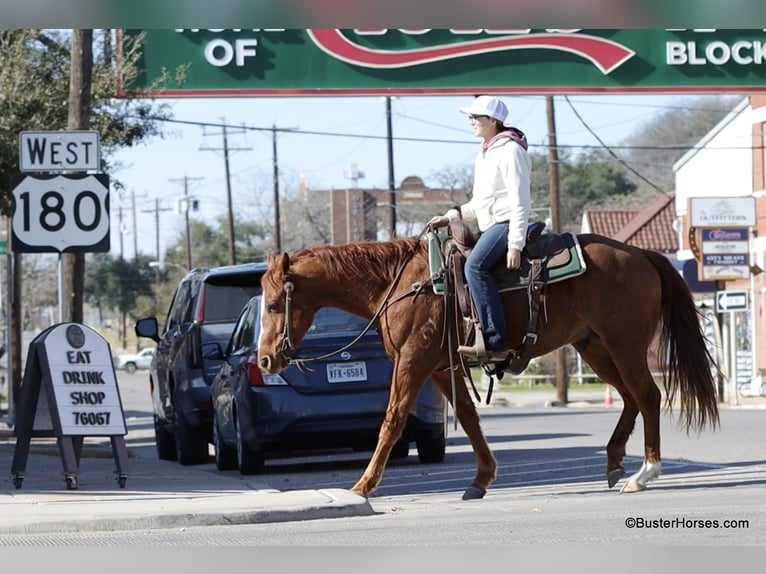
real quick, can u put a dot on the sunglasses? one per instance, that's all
(474, 117)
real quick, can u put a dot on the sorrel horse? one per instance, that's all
(610, 314)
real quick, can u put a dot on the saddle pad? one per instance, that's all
(568, 263)
(435, 241)
(562, 266)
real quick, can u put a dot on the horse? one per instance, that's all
(610, 314)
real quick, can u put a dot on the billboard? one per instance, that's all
(327, 61)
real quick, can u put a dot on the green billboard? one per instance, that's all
(329, 61)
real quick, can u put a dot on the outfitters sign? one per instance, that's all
(454, 61)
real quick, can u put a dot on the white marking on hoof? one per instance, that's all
(648, 472)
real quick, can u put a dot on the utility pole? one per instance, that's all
(391, 182)
(562, 378)
(119, 228)
(226, 149)
(185, 206)
(78, 119)
(275, 164)
(156, 211)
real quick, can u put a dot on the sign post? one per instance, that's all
(69, 391)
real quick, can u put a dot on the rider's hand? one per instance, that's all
(438, 221)
(513, 261)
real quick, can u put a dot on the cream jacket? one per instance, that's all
(501, 189)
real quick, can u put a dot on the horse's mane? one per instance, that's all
(372, 258)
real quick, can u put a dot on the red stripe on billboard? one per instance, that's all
(605, 54)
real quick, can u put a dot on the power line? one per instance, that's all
(610, 151)
(296, 131)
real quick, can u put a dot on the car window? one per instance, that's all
(224, 303)
(244, 331)
(179, 308)
(331, 319)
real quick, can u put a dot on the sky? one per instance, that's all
(321, 140)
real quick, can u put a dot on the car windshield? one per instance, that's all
(332, 320)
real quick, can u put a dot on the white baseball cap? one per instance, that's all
(487, 106)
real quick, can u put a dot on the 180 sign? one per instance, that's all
(60, 213)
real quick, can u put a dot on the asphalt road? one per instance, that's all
(550, 490)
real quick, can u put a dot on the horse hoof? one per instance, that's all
(474, 493)
(614, 476)
(633, 486)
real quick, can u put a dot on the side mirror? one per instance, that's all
(148, 328)
(212, 352)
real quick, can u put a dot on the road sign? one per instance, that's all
(729, 301)
(59, 151)
(60, 213)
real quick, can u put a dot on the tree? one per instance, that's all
(662, 140)
(210, 243)
(116, 283)
(35, 67)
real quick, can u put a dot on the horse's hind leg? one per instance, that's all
(597, 356)
(648, 399)
(638, 380)
(466, 414)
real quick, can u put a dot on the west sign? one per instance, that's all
(447, 61)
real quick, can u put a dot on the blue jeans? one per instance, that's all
(490, 248)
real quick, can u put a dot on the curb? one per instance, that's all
(246, 508)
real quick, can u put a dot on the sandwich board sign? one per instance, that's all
(69, 391)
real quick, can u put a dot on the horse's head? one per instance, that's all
(286, 315)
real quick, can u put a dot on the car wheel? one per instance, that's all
(401, 449)
(225, 455)
(431, 448)
(130, 368)
(164, 440)
(191, 442)
(249, 461)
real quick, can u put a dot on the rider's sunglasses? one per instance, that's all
(474, 117)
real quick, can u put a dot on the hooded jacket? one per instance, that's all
(501, 188)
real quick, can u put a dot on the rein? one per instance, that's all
(287, 344)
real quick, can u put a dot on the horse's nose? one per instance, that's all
(265, 363)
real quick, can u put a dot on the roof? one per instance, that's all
(650, 228)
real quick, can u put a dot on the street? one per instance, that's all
(550, 488)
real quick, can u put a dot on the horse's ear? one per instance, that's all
(284, 262)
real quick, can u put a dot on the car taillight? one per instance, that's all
(201, 306)
(256, 378)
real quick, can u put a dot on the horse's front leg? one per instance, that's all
(405, 388)
(465, 410)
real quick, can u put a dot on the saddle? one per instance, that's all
(546, 258)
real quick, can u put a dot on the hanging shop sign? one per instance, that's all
(445, 61)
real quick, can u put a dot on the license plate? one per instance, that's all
(346, 372)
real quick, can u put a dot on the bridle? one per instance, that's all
(287, 345)
(287, 339)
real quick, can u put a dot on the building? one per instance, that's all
(729, 163)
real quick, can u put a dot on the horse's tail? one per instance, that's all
(690, 370)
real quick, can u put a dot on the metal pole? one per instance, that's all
(277, 232)
(188, 229)
(562, 378)
(232, 252)
(391, 183)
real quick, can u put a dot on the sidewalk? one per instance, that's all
(162, 494)
(157, 494)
